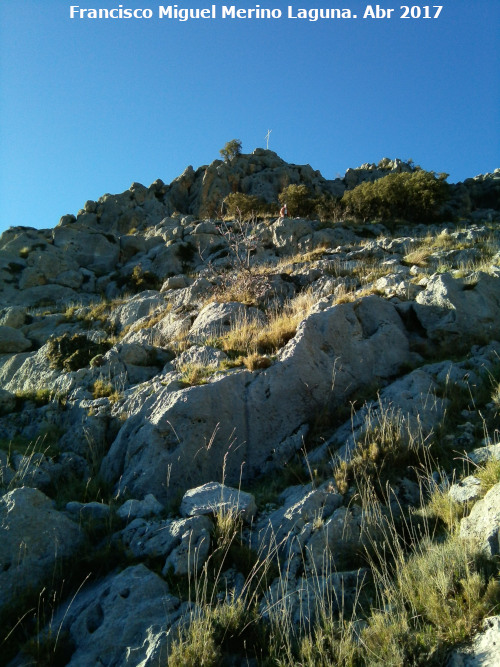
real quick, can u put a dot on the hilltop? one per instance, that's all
(234, 438)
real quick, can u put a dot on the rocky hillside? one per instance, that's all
(229, 442)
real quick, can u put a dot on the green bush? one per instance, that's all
(298, 200)
(328, 208)
(239, 205)
(231, 149)
(415, 197)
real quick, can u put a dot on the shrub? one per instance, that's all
(297, 199)
(142, 280)
(231, 149)
(239, 205)
(328, 207)
(103, 389)
(415, 197)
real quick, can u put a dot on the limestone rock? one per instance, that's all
(490, 452)
(92, 511)
(199, 355)
(12, 340)
(191, 552)
(13, 317)
(213, 497)
(302, 599)
(244, 421)
(140, 509)
(88, 248)
(124, 619)
(483, 523)
(34, 537)
(138, 306)
(484, 650)
(466, 490)
(450, 308)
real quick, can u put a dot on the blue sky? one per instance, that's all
(89, 106)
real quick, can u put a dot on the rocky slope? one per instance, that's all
(145, 352)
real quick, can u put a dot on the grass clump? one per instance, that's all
(443, 507)
(256, 361)
(195, 374)
(102, 389)
(249, 336)
(385, 449)
(488, 475)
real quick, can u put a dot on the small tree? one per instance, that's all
(231, 149)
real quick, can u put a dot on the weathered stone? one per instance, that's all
(191, 551)
(92, 511)
(199, 355)
(7, 402)
(13, 317)
(34, 538)
(483, 523)
(12, 340)
(484, 649)
(87, 247)
(140, 509)
(466, 490)
(450, 309)
(250, 420)
(124, 619)
(302, 600)
(213, 497)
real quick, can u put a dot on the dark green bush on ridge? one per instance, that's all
(414, 197)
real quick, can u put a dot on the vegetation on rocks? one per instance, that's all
(416, 197)
(70, 353)
(341, 380)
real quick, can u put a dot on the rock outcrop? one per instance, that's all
(191, 407)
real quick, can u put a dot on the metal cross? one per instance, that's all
(267, 139)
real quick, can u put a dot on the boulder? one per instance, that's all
(34, 539)
(302, 600)
(466, 490)
(181, 544)
(247, 423)
(140, 509)
(199, 355)
(213, 497)
(287, 232)
(12, 340)
(483, 523)
(124, 619)
(138, 306)
(484, 649)
(192, 548)
(302, 505)
(87, 247)
(13, 317)
(92, 511)
(451, 309)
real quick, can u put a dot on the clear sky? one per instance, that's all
(89, 106)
